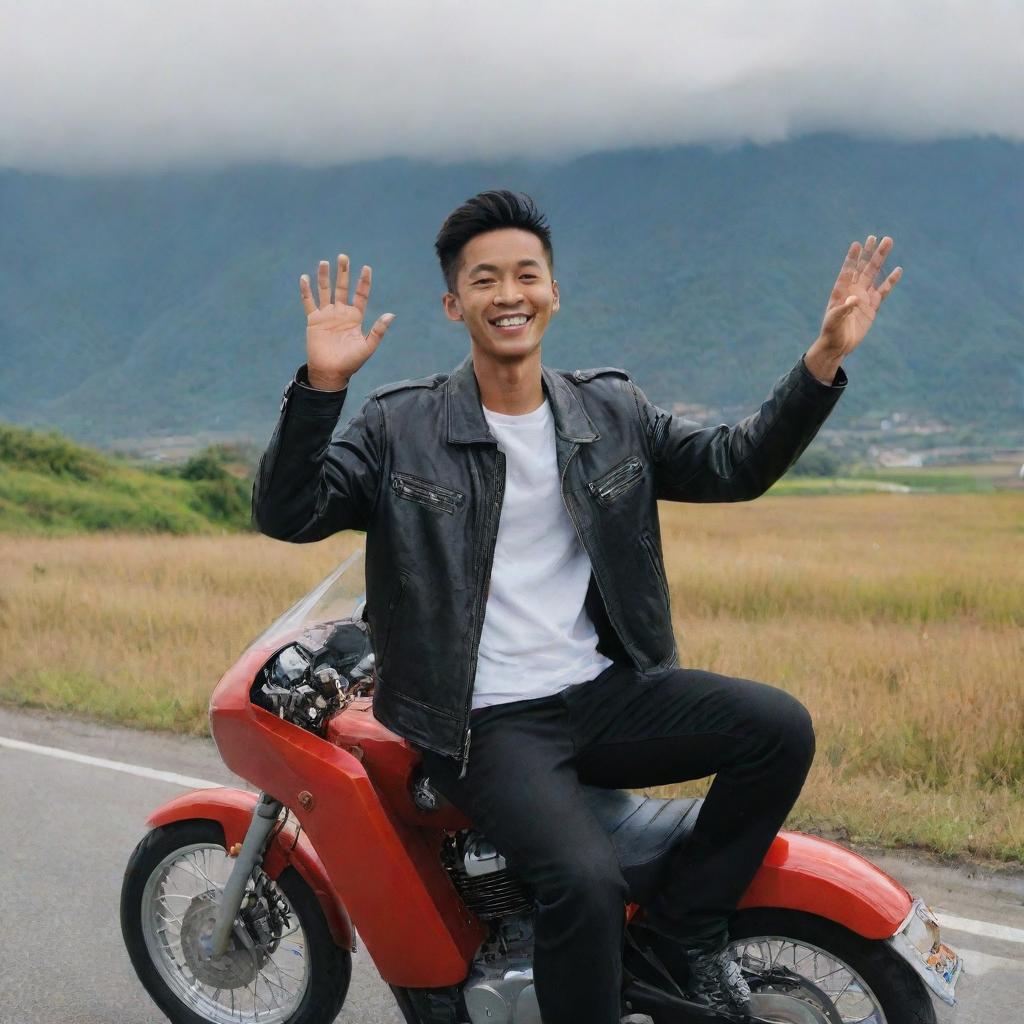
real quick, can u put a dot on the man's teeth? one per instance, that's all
(511, 321)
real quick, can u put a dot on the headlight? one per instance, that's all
(312, 678)
(917, 941)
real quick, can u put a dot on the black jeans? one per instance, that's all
(627, 730)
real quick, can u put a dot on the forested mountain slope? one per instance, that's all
(168, 304)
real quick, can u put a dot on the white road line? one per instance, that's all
(116, 766)
(977, 963)
(983, 928)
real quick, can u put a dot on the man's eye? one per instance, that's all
(483, 280)
(529, 277)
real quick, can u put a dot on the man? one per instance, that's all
(517, 596)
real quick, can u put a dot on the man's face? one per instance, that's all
(504, 276)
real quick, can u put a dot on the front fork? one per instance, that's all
(249, 858)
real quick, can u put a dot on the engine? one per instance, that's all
(499, 988)
(482, 878)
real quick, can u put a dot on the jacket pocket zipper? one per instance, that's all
(652, 553)
(618, 479)
(427, 493)
(392, 609)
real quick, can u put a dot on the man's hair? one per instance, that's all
(488, 211)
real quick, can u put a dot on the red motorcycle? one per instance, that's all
(239, 907)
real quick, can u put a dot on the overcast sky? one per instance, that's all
(118, 85)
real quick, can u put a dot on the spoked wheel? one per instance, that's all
(802, 969)
(281, 966)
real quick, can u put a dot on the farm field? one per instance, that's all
(898, 619)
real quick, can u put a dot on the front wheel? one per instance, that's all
(281, 967)
(841, 976)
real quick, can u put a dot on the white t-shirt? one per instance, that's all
(537, 637)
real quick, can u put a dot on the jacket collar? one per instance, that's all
(466, 422)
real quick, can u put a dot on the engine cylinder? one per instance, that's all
(494, 893)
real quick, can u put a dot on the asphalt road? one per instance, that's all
(68, 829)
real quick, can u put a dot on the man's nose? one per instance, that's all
(508, 293)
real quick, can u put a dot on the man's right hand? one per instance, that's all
(335, 346)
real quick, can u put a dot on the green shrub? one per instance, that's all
(51, 485)
(817, 462)
(50, 453)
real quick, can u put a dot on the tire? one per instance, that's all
(326, 969)
(898, 991)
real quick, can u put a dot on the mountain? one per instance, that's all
(144, 306)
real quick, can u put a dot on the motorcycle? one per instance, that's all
(243, 907)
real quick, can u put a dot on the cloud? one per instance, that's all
(121, 85)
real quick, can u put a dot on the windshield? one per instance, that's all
(338, 596)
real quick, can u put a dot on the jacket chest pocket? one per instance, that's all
(620, 478)
(426, 492)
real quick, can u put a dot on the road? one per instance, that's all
(68, 829)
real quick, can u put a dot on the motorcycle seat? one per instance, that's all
(644, 831)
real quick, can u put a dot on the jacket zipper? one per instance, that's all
(618, 480)
(572, 519)
(652, 553)
(481, 601)
(432, 495)
(392, 608)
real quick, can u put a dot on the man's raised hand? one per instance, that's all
(855, 299)
(335, 345)
(852, 305)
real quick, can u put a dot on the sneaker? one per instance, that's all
(708, 977)
(715, 980)
(667, 957)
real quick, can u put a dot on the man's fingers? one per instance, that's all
(362, 289)
(378, 329)
(887, 284)
(341, 287)
(864, 260)
(874, 265)
(323, 283)
(850, 263)
(307, 295)
(845, 276)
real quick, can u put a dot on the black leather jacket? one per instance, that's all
(418, 470)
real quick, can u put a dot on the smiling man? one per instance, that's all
(517, 594)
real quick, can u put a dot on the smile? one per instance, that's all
(511, 323)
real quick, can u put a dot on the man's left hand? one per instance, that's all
(851, 306)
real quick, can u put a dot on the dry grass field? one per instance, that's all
(897, 619)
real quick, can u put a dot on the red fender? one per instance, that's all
(233, 809)
(802, 872)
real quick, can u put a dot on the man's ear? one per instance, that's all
(451, 306)
(554, 291)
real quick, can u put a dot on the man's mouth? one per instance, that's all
(510, 322)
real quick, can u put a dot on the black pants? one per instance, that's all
(627, 730)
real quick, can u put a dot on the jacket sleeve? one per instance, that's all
(741, 462)
(310, 484)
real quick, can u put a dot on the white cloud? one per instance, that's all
(129, 84)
